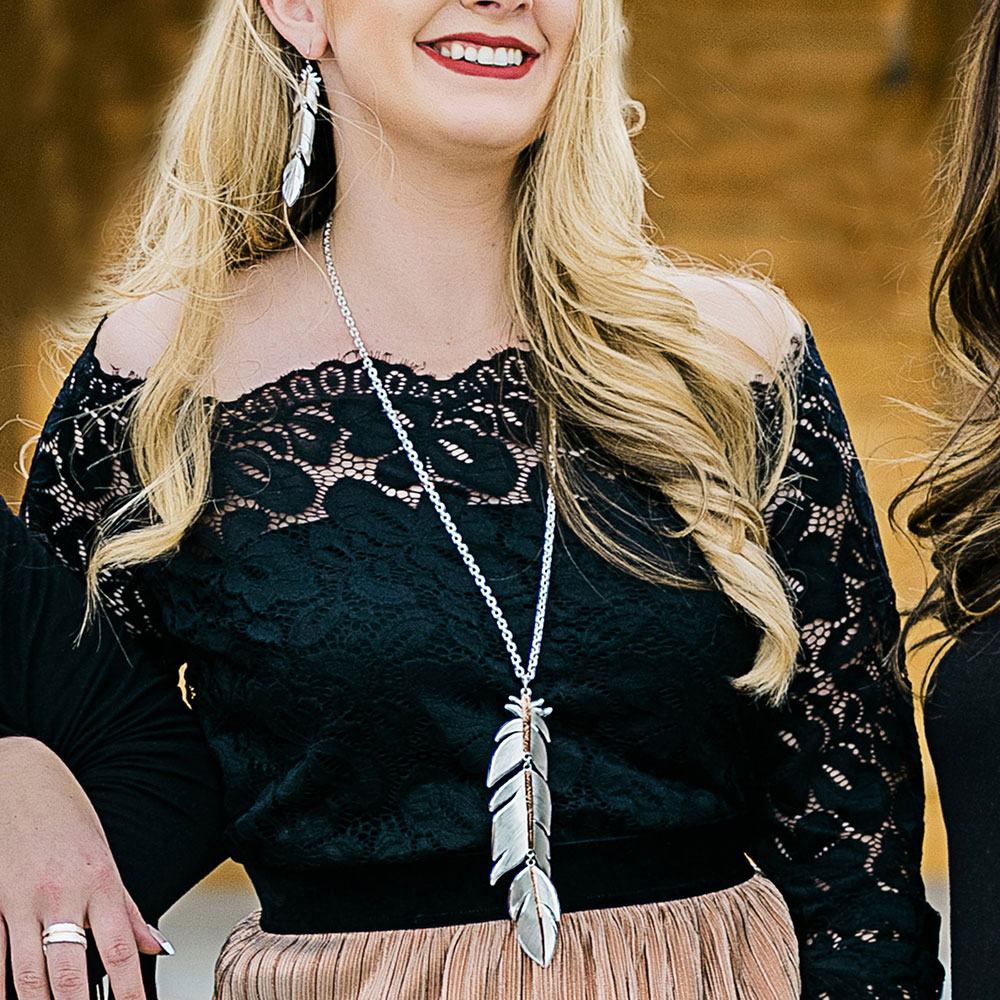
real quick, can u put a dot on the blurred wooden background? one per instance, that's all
(797, 133)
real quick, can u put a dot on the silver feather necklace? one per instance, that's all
(522, 806)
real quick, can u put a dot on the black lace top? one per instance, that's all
(350, 679)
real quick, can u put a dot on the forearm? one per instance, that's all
(111, 717)
(841, 812)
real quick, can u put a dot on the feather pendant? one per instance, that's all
(534, 907)
(522, 823)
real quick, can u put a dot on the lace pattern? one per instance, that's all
(286, 449)
(831, 781)
(843, 811)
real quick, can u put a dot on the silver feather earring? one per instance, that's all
(304, 113)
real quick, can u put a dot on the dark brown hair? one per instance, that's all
(957, 511)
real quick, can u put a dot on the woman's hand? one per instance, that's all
(56, 866)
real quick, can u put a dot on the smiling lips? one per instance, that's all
(480, 55)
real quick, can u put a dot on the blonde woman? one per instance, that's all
(446, 434)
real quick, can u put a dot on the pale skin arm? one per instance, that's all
(56, 865)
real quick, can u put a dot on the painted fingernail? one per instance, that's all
(168, 948)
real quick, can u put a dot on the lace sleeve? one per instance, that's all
(842, 828)
(81, 471)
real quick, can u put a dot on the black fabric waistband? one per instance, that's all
(445, 889)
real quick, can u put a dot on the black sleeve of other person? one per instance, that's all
(962, 718)
(116, 719)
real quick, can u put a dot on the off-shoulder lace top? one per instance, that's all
(349, 678)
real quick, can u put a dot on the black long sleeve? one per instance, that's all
(115, 718)
(841, 824)
(962, 718)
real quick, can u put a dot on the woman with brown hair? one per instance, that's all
(389, 385)
(958, 515)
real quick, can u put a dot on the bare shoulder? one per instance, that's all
(133, 337)
(755, 314)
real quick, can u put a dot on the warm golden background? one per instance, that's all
(797, 133)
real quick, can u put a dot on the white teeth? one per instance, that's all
(484, 55)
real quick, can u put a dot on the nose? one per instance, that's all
(498, 7)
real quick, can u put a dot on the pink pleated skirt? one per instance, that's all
(737, 944)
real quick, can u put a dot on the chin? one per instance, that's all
(488, 138)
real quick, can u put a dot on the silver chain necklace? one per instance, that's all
(522, 806)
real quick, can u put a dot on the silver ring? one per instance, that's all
(65, 925)
(63, 932)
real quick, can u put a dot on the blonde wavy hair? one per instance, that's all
(622, 361)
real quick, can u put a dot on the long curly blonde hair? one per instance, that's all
(622, 359)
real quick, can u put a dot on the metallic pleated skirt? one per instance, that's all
(736, 944)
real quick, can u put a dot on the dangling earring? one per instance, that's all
(293, 178)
